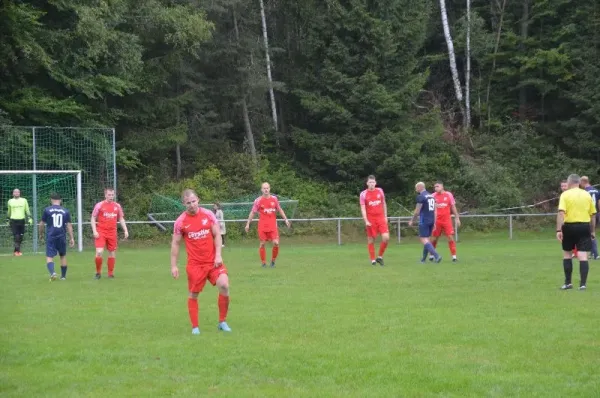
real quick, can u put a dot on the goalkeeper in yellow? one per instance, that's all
(18, 215)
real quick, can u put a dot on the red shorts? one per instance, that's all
(107, 239)
(378, 226)
(198, 275)
(266, 236)
(443, 226)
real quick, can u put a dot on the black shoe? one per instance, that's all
(373, 262)
(111, 277)
(566, 286)
(379, 260)
(272, 264)
(264, 265)
(98, 276)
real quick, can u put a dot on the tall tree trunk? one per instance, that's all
(496, 45)
(268, 61)
(468, 73)
(452, 58)
(246, 117)
(524, 34)
(178, 156)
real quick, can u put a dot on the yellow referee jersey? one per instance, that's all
(577, 204)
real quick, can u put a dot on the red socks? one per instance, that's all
(193, 310)
(98, 264)
(111, 265)
(382, 247)
(223, 303)
(371, 247)
(274, 253)
(452, 245)
(263, 254)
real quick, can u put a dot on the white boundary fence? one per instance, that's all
(400, 222)
(397, 223)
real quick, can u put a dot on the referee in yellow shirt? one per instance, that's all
(575, 227)
(18, 214)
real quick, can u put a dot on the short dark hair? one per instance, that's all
(563, 182)
(55, 196)
(371, 177)
(109, 189)
(438, 182)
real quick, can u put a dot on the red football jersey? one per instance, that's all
(196, 230)
(443, 203)
(107, 215)
(373, 201)
(267, 212)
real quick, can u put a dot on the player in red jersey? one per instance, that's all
(199, 228)
(564, 185)
(446, 205)
(374, 212)
(267, 207)
(104, 226)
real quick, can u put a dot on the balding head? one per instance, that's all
(265, 189)
(189, 198)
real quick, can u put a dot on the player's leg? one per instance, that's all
(111, 246)
(51, 252)
(222, 240)
(218, 277)
(424, 234)
(13, 230)
(435, 235)
(448, 230)
(100, 243)
(584, 244)
(371, 235)
(196, 280)
(568, 244)
(18, 233)
(594, 251)
(274, 237)
(382, 228)
(262, 251)
(62, 252)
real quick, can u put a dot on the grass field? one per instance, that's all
(324, 323)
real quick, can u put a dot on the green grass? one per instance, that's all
(323, 324)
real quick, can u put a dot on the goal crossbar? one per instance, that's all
(77, 174)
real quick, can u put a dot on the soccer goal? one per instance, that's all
(36, 186)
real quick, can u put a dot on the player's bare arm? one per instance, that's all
(287, 222)
(560, 220)
(41, 226)
(70, 231)
(384, 208)
(455, 212)
(363, 210)
(250, 217)
(93, 224)
(415, 214)
(124, 227)
(593, 225)
(218, 241)
(175, 242)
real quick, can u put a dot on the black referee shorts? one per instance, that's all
(577, 234)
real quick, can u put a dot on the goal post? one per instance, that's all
(39, 184)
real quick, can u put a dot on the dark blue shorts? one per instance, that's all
(425, 230)
(56, 246)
